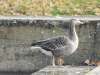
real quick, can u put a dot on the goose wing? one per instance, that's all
(52, 44)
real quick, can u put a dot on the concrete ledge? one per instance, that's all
(95, 71)
(50, 17)
(64, 70)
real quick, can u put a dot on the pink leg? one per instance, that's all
(53, 62)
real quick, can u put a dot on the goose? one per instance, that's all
(60, 46)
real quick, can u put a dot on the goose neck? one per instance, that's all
(73, 35)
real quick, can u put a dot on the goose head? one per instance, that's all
(75, 22)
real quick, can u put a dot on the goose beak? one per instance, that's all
(79, 22)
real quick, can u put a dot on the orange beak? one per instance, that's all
(79, 22)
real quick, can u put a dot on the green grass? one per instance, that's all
(59, 13)
(98, 0)
(89, 12)
(97, 5)
(67, 4)
(54, 13)
(73, 12)
(88, 69)
(49, 6)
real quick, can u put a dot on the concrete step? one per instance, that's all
(65, 70)
(95, 71)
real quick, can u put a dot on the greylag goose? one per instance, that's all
(60, 46)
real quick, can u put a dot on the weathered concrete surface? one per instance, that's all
(95, 71)
(64, 70)
(50, 17)
(17, 35)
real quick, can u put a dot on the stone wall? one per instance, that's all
(17, 35)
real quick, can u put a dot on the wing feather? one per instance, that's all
(52, 44)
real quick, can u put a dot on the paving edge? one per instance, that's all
(95, 71)
(49, 17)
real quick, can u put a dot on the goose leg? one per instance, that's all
(53, 62)
(60, 62)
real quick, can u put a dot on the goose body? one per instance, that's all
(60, 46)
